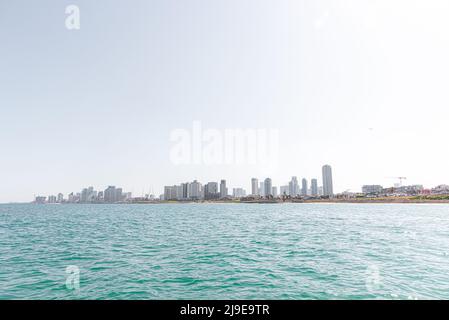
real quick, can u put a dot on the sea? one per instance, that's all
(224, 251)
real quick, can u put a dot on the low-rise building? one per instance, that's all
(372, 189)
(238, 193)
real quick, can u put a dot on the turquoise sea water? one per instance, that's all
(225, 251)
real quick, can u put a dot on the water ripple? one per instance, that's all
(199, 251)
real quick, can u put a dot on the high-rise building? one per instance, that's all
(88, 195)
(179, 192)
(211, 191)
(274, 191)
(314, 187)
(60, 198)
(261, 189)
(169, 193)
(110, 194)
(238, 192)
(320, 191)
(119, 194)
(304, 187)
(328, 188)
(223, 189)
(284, 191)
(51, 199)
(195, 190)
(268, 187)
(40, 200)
(185, 190)
(293, 187)
(254, 187)
(84, 195)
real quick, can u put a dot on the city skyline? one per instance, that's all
(229, 157)
(189, 190)
(195, 191)
(214, 190)
(102, 102)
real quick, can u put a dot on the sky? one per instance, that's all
(357, 84)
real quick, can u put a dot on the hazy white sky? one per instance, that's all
(359, 84)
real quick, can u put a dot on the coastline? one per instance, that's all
(432, 199)
(393, 200)
(441, 199)
(315, 201)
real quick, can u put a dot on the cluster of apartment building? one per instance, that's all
(263, 189)
(294, 188)
(196, 191)
(399, 190)
(89, 195)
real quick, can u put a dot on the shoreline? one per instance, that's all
(311, 201)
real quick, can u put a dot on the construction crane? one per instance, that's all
(400, 179)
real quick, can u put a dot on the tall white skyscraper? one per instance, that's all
(293, 187)
(195, 190)
(268, 187)
(223, 189)
(274, 191)
(254, 186)
(304, 187)
(261, 189)
(314, 187)
(328, 188)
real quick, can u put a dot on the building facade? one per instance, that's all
(254, 186)
(284, 191)
(372, 189)
(293, 187)
(314, 187)
(238, 193)
(328, 186)
(110, 194)
(223, 189)
(304, 187)
(268, 188)
(211, 191)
